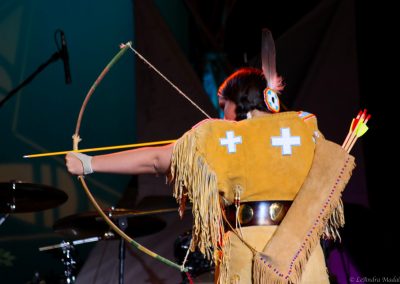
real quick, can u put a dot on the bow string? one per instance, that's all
(76, 139)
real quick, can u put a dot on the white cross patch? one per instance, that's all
(231, 141)
(285, 141)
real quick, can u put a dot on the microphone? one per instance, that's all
(65, 58)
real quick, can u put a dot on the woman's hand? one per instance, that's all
(74, 165)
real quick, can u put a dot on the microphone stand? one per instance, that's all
(53, 58)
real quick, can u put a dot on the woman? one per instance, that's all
(241, 175)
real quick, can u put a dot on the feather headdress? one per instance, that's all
(274, 82)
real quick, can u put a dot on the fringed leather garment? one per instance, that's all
(274, 157)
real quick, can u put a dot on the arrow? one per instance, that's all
(100, 149)
(357, 129)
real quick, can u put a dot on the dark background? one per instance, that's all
(336, 56)
(369, 232)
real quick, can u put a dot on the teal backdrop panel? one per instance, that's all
(41, 117)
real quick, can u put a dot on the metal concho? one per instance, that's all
(276, 211)
(246, 214)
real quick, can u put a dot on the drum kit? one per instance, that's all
(87, 227)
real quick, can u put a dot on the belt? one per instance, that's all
(258, 213)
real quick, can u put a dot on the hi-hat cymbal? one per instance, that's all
(20, 197)
(90, 224)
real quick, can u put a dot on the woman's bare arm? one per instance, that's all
(152, 160)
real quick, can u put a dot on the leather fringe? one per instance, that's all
(284, 258)
(194, 179)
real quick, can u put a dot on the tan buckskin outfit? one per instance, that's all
(279, 157)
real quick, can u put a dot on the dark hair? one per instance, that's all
(245, 88)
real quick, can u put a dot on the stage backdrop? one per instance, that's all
(42, 116)
(316, 52)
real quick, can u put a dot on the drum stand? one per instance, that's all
(67, 258)
(69, 262)
(122, 224)
(90, 223)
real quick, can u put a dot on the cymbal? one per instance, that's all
(91, 224)
(20, 197)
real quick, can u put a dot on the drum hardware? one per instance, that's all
(69, 263)
(123, 225)
(67, 250)
(200, 269)
(142, 221)
(91, 225)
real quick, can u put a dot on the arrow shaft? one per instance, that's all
(100, 149)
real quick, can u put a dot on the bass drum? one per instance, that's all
(200, 269)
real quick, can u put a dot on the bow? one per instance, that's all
(76, 139)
